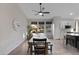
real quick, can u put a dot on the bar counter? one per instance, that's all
(72, 39)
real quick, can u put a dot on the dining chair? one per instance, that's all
(39, 46)
(50, 47)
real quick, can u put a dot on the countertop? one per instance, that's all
(73, 34)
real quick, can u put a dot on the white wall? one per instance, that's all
(9, 38)
(62, 27)
(56, 22)
(59, 26)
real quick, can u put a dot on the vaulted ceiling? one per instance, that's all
(65, 10)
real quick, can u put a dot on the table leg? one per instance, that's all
(30, 45)
(46, 49)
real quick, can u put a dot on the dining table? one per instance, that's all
(38, 36)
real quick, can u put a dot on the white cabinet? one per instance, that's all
(49, 29)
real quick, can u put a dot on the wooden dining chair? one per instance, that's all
(50, 47)
(39, 46)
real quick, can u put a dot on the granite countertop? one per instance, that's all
(73, 34)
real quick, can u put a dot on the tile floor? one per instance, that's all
(59, 48)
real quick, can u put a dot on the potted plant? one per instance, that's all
(29, 34)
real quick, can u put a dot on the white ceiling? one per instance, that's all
(64, 10)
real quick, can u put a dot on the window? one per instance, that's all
(33, 22)
(41, 22)
(48, 22)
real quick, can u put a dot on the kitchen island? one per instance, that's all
(72, 39)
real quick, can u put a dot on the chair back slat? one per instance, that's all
(44, 39)
(39, 41)
(39, 45)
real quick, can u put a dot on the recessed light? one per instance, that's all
(71, 13)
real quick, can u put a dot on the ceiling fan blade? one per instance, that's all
(34, 10)
(36, 14)
(46, 12)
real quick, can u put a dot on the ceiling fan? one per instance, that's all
(41, 12)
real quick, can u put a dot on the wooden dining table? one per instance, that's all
(38, 36)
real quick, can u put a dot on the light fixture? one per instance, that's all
(41, 14)
(71, 13)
